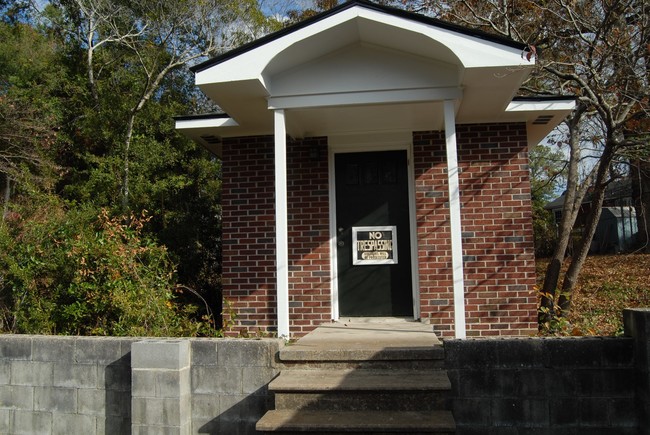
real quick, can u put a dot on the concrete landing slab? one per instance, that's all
(366, 339)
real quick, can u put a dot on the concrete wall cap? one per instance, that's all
(160, 354)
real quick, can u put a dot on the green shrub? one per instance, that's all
(82, 271)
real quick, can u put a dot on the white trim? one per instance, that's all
(334, 296)
(469, 50)
(364, 97)
(353, 143)
(413, 225)
(537, 106)
(281, 222)
(454, 217)
(182, 124)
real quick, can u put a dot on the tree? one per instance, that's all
(596, 50)
(547, 170)
(149, 41)
(297, 15)
(28, 116)
(105, 97)
(77, 271)
(129, 65)
(14, 11)
(608, 43)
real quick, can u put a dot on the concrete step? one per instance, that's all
(365, 390)
(420, 364)
(360, 380)
(303, 353)
(360, 422)
(364, 401)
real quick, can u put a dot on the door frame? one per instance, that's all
(401, 141)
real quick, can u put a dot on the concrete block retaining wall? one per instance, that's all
(637, 326)
(559, 386)
(229, 384)
(89, 385)
(65, 385)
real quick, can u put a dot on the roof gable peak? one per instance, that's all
(400, 13)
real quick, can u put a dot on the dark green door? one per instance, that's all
(372, 192)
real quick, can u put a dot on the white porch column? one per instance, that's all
(281, 225)
(454, 214)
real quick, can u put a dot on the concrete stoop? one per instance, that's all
(360, 391)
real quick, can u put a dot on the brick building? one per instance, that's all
(375, 165)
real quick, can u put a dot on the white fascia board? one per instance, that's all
(371, 97)
(188, 124)
(541, 106)
(471, 51)
(250, 65)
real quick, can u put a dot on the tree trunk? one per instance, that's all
(125, 175)
(641, 196)
(579, 257)
(572, 200)
(6, 196)
(89, 60)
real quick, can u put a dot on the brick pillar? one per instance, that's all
(637, 326)
(160, 388)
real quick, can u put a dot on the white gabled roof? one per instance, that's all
(362, 67)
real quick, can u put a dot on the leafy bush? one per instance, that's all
(82, 271)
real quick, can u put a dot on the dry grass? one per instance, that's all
(606, 286)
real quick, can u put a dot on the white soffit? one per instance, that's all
(202, 129)
(541, 114)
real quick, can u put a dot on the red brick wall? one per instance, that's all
(248, 225)
(309, 249)
(496, 224)
(249, 234)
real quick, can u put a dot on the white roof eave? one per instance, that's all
(470, 51)
(243, 82)
(541, 115)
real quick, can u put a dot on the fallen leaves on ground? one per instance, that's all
(607, 285)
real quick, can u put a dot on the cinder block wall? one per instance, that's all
(65, 385)
(496, 218)
(559, 386)
(90, 385)
(95, 385)
(637, 326)
(229, 384)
